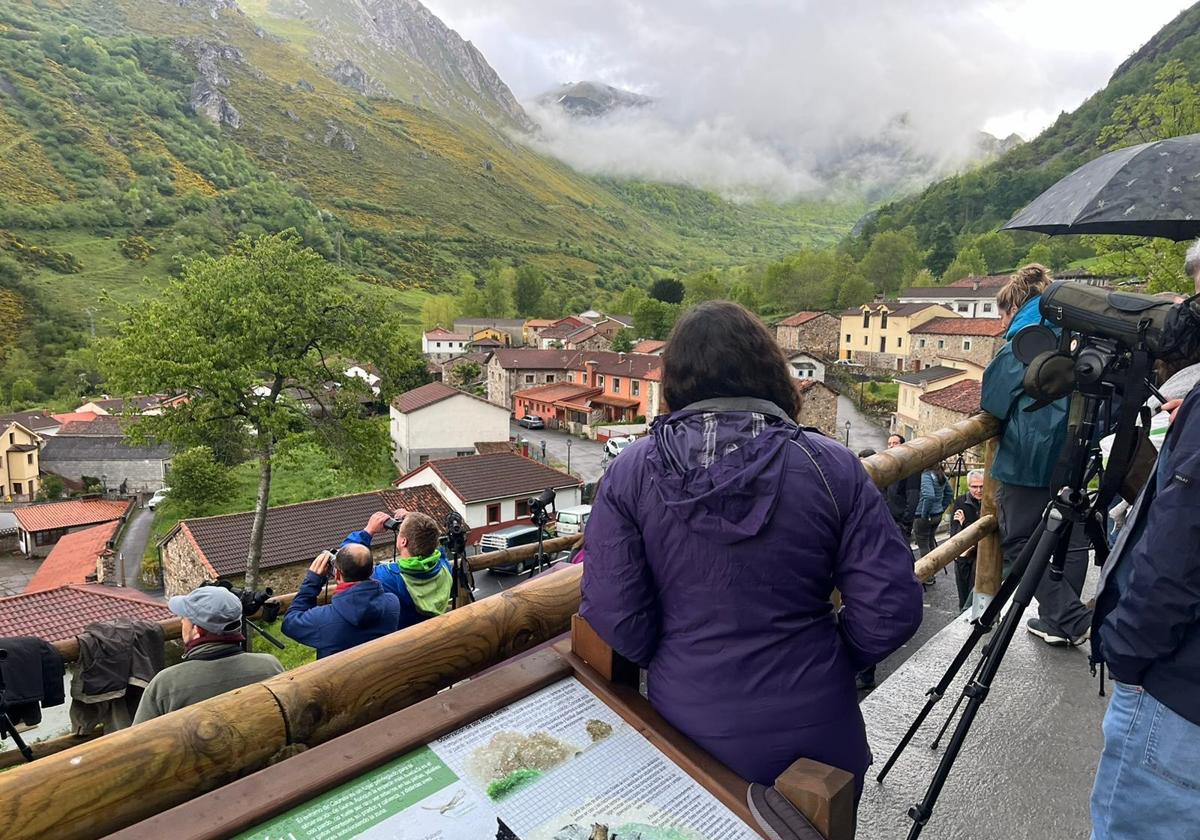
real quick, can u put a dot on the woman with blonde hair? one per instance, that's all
(1025, 462)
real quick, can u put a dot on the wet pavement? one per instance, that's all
(15, 573)
(865, 433)
(133, 544)
(586, 456)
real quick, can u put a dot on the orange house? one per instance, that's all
(630, 384)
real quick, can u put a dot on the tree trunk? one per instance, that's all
(254, 554)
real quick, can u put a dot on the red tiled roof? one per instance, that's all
(559, 331)
(539, 323)
(477, 478)
(961, 326)
(76, 417)
(962, 397)
(62, 613)
(488, 447)
(799, 319)
(803, 386)
(649, 346)
(442, 334)
(427, 395)
(895, 307)
(72, 514)
(582, 334)
(986, 281)
(528, 358)
(617, 402)
(298, 533)
(73, 558)
(555, 391)
(104, 425)
(610, 363)
(117, 405)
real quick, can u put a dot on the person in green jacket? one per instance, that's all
(1024, 466)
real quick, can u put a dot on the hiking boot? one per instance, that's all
(1050, 635)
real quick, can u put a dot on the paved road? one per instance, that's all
(587, 456)
(133, 544)
(865, 433)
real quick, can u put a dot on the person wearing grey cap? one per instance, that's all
(213, 659)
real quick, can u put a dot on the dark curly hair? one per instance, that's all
(720, 349)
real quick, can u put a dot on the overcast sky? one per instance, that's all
(786, 81)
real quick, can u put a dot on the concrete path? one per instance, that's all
(587, 456)
(865, 433)
(133, 544)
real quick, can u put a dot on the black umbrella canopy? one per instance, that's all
(1147, 190)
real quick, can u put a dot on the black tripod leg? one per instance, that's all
(980, 626)
(957, 703)
(9, 729)
(976, 692)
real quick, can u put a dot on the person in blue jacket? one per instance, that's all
(420, 576)
(359, 611)
(1024, 466)
(936, 496)
(1147, 630)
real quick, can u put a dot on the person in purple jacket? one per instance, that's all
(714, 547)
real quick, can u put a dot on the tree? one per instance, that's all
(892, 260)
(968, 263)
(854, 292)
(1040, 253)
(497, 293)
(439, 311)
(667, 290)
(622, 341)
(197, 479)
(470, 301)
(743, 293)
(702, 286)
(628, 302)
(252, 337)
(654, 319)
(529, 288)
(1172, 109)
(999, 250)
(923, 279)
(52, 488)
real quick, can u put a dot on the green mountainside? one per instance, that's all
(136, 132)
(980, 200)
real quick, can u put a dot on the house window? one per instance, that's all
(635, 387)
(805, 370)
(987, 307)
(616, 384)
(883, 323)
(962, 307)
(463, 453)
(45, 537)
(883, 344)
(29, 458)
(493, 514)
(920, 342)
(438, 345)
(422, 459)
(866, 318)
(847, 338)
(571, 376)
(599, 380)
(529, 379)
(522, 509)
(899, 341)
(866, 341)
(966, 344)
(941, 344)
(17, 492)
(549, 378)
(12, 438)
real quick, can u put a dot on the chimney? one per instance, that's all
(620, 357)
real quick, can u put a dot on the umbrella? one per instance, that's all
(1147, 190)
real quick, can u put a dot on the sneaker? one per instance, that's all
(1087, 634)
(1049, 635)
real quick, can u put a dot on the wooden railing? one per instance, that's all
(111, 782)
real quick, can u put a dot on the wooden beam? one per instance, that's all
(891, 465)
(947, 552)
(824, 794)
(41, 749)
(989, 559)
(504, 557)
(125, 777)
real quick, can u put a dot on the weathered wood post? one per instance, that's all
(988, 558)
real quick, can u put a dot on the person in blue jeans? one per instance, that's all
(1146, 629)
(936, 496)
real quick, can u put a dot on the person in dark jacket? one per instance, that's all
(1147, 631)
(714, 547)
(936, 496)
(1030, 445)
(903, 496)
(964, 514)
(359, 611)
(420, 576)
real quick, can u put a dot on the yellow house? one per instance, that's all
(876, 334)
(912, 385)
(19, 465)
(491, 332)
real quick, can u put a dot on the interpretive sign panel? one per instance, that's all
(556, 765)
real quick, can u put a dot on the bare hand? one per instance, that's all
(399, 513)
(375, 523)
(960, 517)
(321, 565)
(1172, 407)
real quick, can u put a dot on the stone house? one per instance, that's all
(150, 405)
(20, 462)
(588, 338)
(436, 421)
(511, 370)
(534, 327)
(513, 328)
(816, 332)
(876, 334)
(974, 340)
(41, 526)
(947, 406)
(818, 406)
(109, 457)
(914, 385)
(465, 371)
(215, 546)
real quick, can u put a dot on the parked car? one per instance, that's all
(615, 446)
(848, 363)
(532, 421)
(158, 498)
(573, 520)
(512, 537)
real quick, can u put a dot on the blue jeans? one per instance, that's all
(1148, 781)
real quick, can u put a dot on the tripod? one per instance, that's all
(7, 727)
(463, 587)
(1047, 547)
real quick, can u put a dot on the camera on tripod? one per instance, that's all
(253, 600)
(538, 505)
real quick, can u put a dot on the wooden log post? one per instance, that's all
(117, 780)
(891, 465)
(988, 557)
(947, 552)
(508, 556)
(823, 794)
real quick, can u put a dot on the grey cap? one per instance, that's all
(214, 608)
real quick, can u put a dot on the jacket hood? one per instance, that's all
(361, 605)
(1027, 315)
(719, 465)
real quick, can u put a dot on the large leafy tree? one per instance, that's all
(968, 263)
(258, 337)
(667, 290)
(439, 311)
(529, 288)
(892, 260)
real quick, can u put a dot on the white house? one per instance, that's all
(437, 421)
(367, 375)
(493, 491)
(440, 344)
(970, 297)
(802, 365)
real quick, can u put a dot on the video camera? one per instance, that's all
(538, 505)
(253, 600)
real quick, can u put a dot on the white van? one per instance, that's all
(572, 520)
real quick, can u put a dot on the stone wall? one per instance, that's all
(889, 362)
(983, 348)
(502, 384)
(144, 476)
(818, 336)
(819, 409)
(933, 417)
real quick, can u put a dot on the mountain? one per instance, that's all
(134, 133)
(591, 99)
(982, 199)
